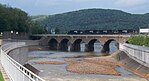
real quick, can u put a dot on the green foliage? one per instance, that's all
(39, 17)
(14, 19)
(57, 31)
(1, 77)
(36, 28)
(142, 40)
(95, 19)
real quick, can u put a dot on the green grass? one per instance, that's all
(1, 77)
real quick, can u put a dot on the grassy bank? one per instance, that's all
(1, 77)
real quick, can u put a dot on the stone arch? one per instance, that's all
(106, 46)
(127, 42)
(90, 46)
(63, 45)
(76, 46)
(53, 44)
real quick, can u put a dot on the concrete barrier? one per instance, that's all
(138, 53)
(14, 70)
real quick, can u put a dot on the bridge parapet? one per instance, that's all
(138, 53)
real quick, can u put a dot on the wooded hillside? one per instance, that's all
(95, 19)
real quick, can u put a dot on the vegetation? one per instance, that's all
(94, 19)
(142, 40)
(39, 17)
(14, 19)
(1, 77)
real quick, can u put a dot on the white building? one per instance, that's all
(144, 31)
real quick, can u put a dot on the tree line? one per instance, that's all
(14, 19)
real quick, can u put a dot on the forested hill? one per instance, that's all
(95, 19)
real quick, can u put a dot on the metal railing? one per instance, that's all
(138, 53)
(14, 70)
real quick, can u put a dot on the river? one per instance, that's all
(52, 72)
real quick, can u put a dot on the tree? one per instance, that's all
(57, 31)
(14, 19)
(36, 28)
(142, 40)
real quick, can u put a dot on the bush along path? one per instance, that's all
(142, 40)
(1, 77)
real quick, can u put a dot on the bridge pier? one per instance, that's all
(89, 48)
(86, 48)
(75, 47)
(105, 49)
(71, 47)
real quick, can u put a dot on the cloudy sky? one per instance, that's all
(47, 7)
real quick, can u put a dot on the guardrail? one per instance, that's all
(138, 53)
(14, 70)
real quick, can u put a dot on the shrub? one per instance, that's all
(142, 40)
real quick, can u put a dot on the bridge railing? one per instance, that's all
(138, 53)
(14, 70)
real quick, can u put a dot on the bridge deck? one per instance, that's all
(120, 35)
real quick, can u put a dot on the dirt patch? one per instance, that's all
(90, 68)
(97, 65)
(102, 60)
(49, 62)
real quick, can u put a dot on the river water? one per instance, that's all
(58, 72)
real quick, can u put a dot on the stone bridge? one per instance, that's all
(63, 42)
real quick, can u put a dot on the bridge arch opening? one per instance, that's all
(110, 46)
(76, 46)
(94, 46)
(53, 44)
(63, 46)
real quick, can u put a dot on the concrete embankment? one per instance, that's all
(131, 65)
(21, 52)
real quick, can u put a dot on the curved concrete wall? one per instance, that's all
(19, 54)
(14, 70)
(138, 53)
